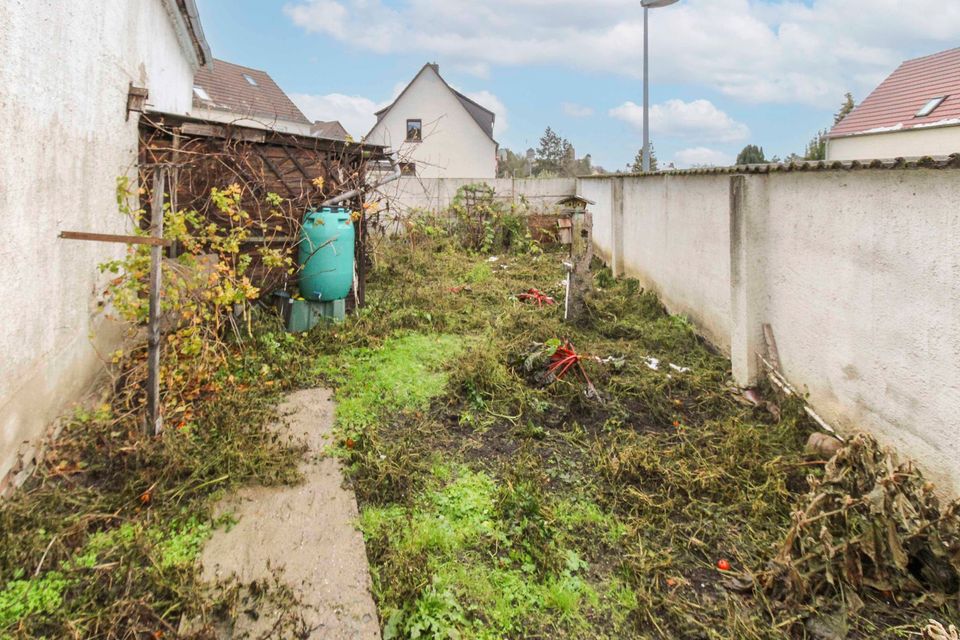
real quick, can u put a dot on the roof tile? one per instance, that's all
(894, 104)
(229, 91)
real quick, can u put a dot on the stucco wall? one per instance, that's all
(436, 194)
(912, 143)
(857, 273)
(65, 68)
(454, 145)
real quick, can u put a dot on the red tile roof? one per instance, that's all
(230, 91)
(894, 104)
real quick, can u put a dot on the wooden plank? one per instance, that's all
(109, 237)
(154, 420)
(214, 131)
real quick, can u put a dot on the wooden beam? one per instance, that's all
(296, 163)
(276, 171)
(109, 237)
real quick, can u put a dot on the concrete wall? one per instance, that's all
(454, 145)
(437, 194)
(65, 68)
(857, 272)
(911, 143)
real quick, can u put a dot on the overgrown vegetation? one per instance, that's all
(497, 500)
(103, 542)
(517, 506)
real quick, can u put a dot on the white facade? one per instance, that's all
(908, 143)
(454, 145)
(65, 69)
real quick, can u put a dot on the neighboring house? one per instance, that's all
(68, 71)
(330, 130)
(913, 113)
(227, 92)
(438, 131)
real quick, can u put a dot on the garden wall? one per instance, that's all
(436, 194)
(856, 269)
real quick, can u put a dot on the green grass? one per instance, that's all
(404, 374)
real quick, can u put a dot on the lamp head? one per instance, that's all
(655, 4)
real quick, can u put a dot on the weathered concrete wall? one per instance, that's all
(912, 143)
(857, 272)
(65, 69)
(437, 194)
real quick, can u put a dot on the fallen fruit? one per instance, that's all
(723, 565)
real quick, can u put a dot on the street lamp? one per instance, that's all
(647, 5)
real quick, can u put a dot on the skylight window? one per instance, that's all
(202, 94)
(250, 80)
(930, 107)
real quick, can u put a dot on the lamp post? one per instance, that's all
(647, 5)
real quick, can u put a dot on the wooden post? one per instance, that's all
(579, 280)
(154, 423)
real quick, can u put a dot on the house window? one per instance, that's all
(408, 168)
(201, 93)
(414, 131)
(250, 80)
(930, 107)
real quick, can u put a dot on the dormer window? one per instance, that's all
(930, 107)
(250, 80)
(414, 131)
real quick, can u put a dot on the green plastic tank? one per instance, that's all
(326, 254)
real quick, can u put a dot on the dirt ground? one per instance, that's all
(305, 534)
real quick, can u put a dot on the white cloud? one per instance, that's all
(702, 157)
(355, 113)
(699, 120)
(576, 110)
(787, 51)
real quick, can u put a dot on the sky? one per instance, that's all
(724, 73)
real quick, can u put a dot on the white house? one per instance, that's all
(68, 70)
(438, 131)
(913, 113)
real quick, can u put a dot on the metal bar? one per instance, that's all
(109, 237)
(154, 420)
(645, 162)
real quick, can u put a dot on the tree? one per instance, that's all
(751, 154)
(845, 109)
(637, 165)
(551, 153)
(817, 147)
(513, 165)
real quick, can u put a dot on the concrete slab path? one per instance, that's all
(308, 531)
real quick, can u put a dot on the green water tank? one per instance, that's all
(326, 254)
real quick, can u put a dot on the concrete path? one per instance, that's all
(309, 531)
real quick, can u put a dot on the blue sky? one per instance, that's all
(725, 72)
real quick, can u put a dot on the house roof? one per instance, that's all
(330, 130)
(483, 116)
(893, 106)
(192, 17)
(228, 87)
